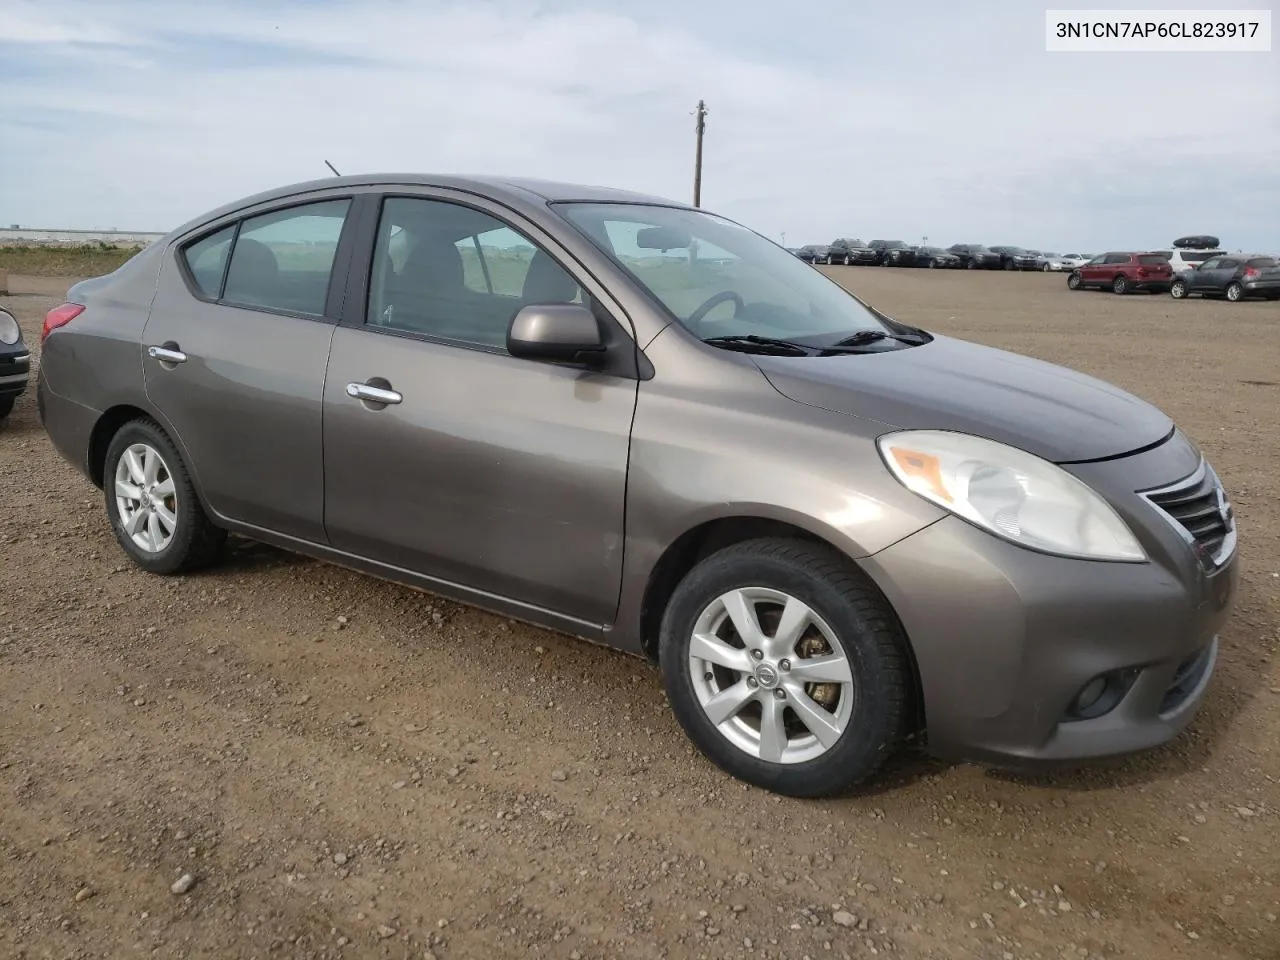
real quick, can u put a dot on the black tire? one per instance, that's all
(864, 626)
(846, 261)
(6, 405)
(1178, 289)
(1234, 291)
(1009, 265)
(1075, 281)
(1045, 268)
(1120, 285)
(196, 543)
(971, 265)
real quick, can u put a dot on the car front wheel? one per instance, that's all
(1178, 289)
(786, 667)
(1120, 285)
(6, 405)
(152, 504)
(1074, 281)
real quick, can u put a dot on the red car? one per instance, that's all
(1123, 273)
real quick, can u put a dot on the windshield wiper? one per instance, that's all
(871, 336)
(745, 341)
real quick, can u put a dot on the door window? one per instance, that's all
(448, 271)
(282, 260)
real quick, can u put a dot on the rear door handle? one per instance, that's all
(166, 354)
(363, 391)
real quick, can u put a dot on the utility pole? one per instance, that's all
(700, 126)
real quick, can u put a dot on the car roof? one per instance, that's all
(510, 189)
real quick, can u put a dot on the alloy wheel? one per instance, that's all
(770, 675)
(1178, 290)
(1234, 292)
(146, 497)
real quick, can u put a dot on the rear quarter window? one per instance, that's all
(1262, 262)
(1199, 256)
(207, 260)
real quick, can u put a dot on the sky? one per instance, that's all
(878, 121)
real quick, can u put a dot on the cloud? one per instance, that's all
(892, 122)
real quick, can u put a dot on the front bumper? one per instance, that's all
(1006, 639)
(15, 370)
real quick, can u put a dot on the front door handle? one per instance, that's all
(363, 391)
(167, 354)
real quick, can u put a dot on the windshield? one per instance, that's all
(718, 278)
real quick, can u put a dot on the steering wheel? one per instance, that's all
(711, 303)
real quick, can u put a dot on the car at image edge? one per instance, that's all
(831, 530)
(1232, 277)
(15, 363)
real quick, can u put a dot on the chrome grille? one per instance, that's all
(1199, 510)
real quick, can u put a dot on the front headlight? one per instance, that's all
(9, 332)
(1009, 492)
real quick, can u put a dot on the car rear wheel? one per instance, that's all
(1120, 285)
(1234, 291)
(154, 511)
(1074, 281)
(1178, 289)
(786, 667)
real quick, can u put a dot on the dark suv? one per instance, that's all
(1235, 277)
(974, 256)
(1015, 258)
(883, 248)
(1123, 273)
(850, 252)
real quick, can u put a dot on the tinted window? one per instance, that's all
(1198, 256)
(282, 260)
(1167, 254)
(207, 260)
(1116, 258)
(1151, 259)
(1210, 265)
(1262, 262)
(1228, 264)
(444, 270)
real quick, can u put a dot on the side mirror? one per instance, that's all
(556, 332)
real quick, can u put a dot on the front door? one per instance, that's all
(502, 475)
(234, 355)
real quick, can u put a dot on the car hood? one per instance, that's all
(950, 384)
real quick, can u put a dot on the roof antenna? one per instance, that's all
(331, 167)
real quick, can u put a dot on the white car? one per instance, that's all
(1064, 262)
(1050, 262)
(1182, 259)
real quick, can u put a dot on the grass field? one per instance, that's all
(81, 260)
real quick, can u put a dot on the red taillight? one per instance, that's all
(59, 316)
(1250, 272)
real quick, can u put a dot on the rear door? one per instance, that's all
(502, 475)
(234, 355)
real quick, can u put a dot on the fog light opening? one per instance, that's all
(1101, 695)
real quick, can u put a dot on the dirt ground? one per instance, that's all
(352, 769)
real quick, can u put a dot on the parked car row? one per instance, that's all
(959, 256)
(1193, 266)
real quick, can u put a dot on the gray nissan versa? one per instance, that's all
(643, 424)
